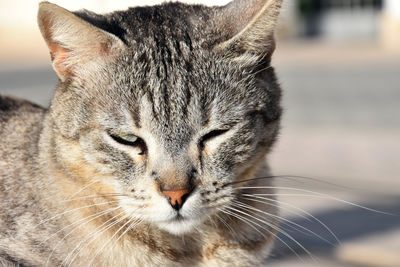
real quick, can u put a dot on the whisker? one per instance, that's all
(110, 239)
(315, 194)
(226, 224)
(96, 215)
(285, 220)
(95, 235)
(94, 196)
(255, 198)
(100, 229)
(281, 222)
(287, 177)
(279, 206)
(72, 210)
(130, 227)
(250, 223)
(82, 189)
(212, 221)
(277, 229)
(261, 70)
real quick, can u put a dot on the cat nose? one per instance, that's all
(176, 197)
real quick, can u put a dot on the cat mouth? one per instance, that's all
(179, 225)
(177, 218)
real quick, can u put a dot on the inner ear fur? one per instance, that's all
(73, 42)
(249, 26)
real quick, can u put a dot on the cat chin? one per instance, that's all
(180, 227)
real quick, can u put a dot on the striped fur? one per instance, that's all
(195, 84)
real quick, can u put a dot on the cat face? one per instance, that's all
(168, 123)
(176, 132)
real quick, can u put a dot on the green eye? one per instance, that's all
(125, 139)
(130, 140)
(128, 137)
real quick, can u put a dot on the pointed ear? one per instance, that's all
(73, 42)
(248, 26)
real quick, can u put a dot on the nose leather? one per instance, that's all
(176, 197)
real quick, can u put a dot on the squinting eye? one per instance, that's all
(210, 136)
(128, 137)
(129, 140)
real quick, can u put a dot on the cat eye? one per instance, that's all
(129, 140)
(211, 135)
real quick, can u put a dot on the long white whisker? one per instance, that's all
(72, 210)
(93, 196)
(95, 235)
(277, 229)
(261, 70)
(96, 230)
(283, 219)
(294, 178)
(253, 198)
(250, 223)
(268, 200)
(280, 207)
(109, 240)
(96, 215)
(226, 224)
(83, 188)
(130, 227)
(212, 221)
(315, 194)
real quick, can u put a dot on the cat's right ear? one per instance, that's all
(74, 44)
(246, 27)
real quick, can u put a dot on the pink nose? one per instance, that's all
(176, 197)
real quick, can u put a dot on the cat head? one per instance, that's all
(165, 105)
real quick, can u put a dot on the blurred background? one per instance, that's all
(339, 65)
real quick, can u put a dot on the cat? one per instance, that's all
(154, 144)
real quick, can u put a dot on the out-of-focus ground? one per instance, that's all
(340, 131)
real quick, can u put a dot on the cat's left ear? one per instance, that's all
(75, 45)
(247, 26)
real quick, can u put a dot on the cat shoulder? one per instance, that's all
(10, 105)
(20, 122)
(12, 108)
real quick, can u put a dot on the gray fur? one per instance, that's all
(170, 74)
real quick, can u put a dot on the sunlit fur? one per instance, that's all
(169, 74)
